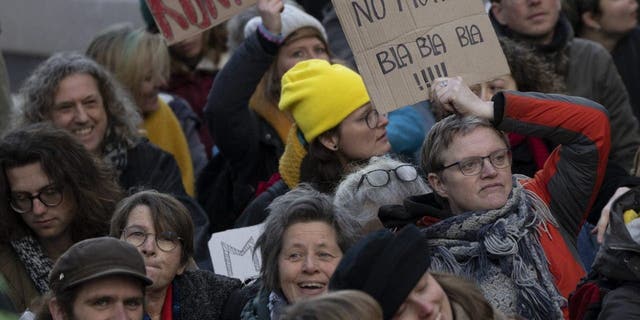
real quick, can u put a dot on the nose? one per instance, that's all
(488, 170)
(309, 265)
(425, 308)
(120, 312)
(81, 114)
(148, 247)
(383, 120)
(38, 207)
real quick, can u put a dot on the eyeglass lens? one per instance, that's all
(372, 118)
(22, 202)
(166, 241)
(379, 178)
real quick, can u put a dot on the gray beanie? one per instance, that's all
(292, 20)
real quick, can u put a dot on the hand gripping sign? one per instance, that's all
(401, 46)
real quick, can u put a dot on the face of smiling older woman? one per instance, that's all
(309, 255)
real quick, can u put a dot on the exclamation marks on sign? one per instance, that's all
(429, 74)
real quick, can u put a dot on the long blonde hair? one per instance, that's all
(123, 50)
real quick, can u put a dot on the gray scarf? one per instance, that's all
(33, 259)
(501, 251)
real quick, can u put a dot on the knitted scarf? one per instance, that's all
(501, 251)
(115, 154)
(34, 260)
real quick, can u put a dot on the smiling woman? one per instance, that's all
(303, 241)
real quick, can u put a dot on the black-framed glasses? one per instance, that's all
(22, 202)
(381, 177)
(372, 118)
(165, 241)
(472, 166)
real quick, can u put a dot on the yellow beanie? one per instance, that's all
(320, 95)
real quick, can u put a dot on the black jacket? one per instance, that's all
(202, 294)
(249, 147)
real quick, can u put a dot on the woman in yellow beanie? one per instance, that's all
(336, 127)
(242, 109)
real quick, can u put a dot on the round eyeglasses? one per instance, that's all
(165, 241)
(472, 166)
(381, 177)
(371, 118)
(22, 202)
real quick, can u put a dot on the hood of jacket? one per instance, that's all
(619, 255)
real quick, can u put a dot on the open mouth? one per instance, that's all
(312, 288)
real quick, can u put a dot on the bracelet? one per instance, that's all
(275, 38)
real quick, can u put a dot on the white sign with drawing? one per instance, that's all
(232, 252)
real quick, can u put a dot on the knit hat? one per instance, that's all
(97, 258)
(292, 20)
(384, 265)
(291, 159)
(320, 95)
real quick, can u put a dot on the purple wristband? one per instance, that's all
(275, 38)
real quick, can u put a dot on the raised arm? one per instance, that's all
(232, 124)
(571, 177)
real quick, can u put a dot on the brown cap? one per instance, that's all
(96, 258)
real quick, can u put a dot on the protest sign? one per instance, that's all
(401, 46)
(181, 19)
(232, 252)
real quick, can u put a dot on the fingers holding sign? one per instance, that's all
(452, 95)
(270, 12)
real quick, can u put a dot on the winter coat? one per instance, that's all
(190, 124)
(202, 294)
(626, 56)
(194, 86)
(164, 130)
(20, 288)
(590, 73)
(250, 145)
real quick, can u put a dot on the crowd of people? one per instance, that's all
(514, 198)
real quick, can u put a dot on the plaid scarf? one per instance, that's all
(501, 251)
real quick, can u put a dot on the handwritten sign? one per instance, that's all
(182, 19)
(232, 252)
(401, 46)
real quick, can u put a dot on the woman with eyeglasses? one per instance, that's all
(162, 230)
(384, 181)
(53, 193)
(515, 236)
(336, 129)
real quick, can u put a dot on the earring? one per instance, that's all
(335, 147)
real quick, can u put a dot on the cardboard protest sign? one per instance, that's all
(181, 19)
(401, 46)
(232, 252)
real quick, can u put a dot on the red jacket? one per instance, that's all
(571, 177)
